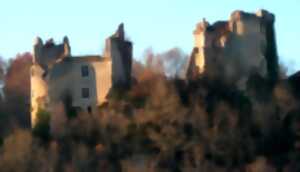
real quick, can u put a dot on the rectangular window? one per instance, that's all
(85, 92)
(84, 71)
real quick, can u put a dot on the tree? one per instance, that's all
(17, 89)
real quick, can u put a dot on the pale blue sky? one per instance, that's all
(160, 24)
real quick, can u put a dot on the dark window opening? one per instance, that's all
(85, 93)
(89, 109)
(84, 71)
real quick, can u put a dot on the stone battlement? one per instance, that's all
(49, 53)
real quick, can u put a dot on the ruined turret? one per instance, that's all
(49, 53)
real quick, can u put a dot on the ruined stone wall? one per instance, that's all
(121, 62)
(103, 80)
(66, 80)
(120, 51)
(44, 57)
(39, 91)
(246, 50)
(49, 53)
(235, 49)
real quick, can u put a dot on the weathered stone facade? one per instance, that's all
(120, 52)
(235, 49)
(81, 82)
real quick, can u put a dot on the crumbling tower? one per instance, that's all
(44, 57)
(120, 51)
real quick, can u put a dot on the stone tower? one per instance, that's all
(120, 51)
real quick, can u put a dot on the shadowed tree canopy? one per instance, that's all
(17, 89)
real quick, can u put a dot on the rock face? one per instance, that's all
(79, 82)
(235, 49)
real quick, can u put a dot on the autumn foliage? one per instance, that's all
(162, 123)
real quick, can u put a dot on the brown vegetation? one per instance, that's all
(160, 124)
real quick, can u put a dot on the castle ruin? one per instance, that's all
(232, 50)
(235, 49)
(79, 82)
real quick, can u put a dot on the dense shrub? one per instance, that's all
(42, 128)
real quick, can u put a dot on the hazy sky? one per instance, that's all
(160, 24)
